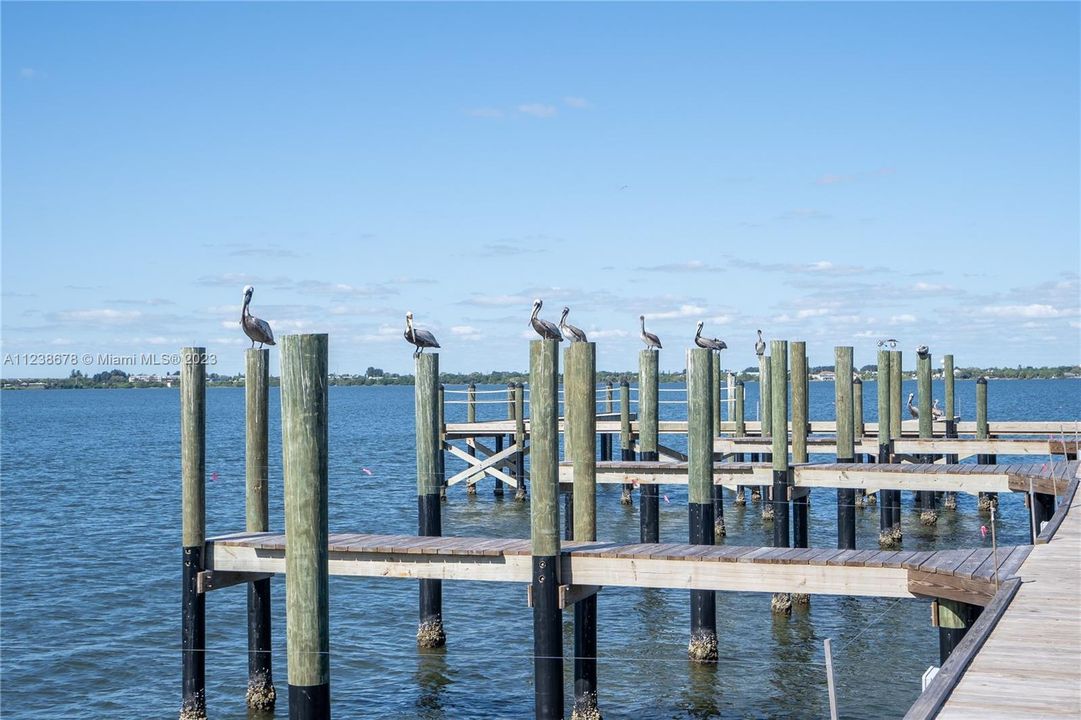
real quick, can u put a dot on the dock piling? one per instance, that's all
(954, 620)
(895, 430)
(846, 497)
(739, 417)
(950, 502)
(471, 417)
(926, 498)
(304, 465)
(886, 537)
(193, 494)
(544, 515)
(986, 500)
(261, 694)
(798, 372)
(703, 642)
(519, 438)
(430, 631)
(648, 494)
(862, 498)
(781, 602)
(579, 373)
(717, 491)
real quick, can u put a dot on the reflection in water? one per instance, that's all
(701, 694)
(431, 678)
(794, 674)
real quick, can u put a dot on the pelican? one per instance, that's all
(708, 343)
(575, 334)
(760, 346)
(545, 329)
(258, 330)
(912, 409)
(922, 351)
(936, 412)
(418, 337)
(652, 341)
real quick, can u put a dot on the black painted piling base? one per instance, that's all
(717, 495)
(568, 514)
(192, 638)
(1043, 507)
(547, 640)
(702, 647)
(309, 702)
(497, 491)
(585, 660)
(949, 638)
(781, 528)
(261, 693)
(649, 507)
(430, 632)
(846, 515)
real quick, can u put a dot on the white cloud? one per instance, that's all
(466, 332)
(811, 312)
(902, 319)
(579, 103)
(538, 110)
(682, 312)
(690, 266)
(104, 315)
(1035, 310)
(602, 334)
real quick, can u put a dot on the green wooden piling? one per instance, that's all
(304, 465)
(544, 513)
(703, 642)
(519, 437)
(846, 497)
(888, 534)
(716, 373)
(926, 498)
(857, 432)
(430, 631)
(950, 503)
(579, 380)
(261, 694)
(986, 500)
(648, 494)
(193, 531)
(779, 432)
(740, 421)
(441, 425)
(897, 403)
(954, 620)
(626, 437)
(798, 354)
(471, 417)
(765, 409)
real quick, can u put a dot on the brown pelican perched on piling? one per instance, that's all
(573, 333)
(258, 330)
(545, 329)
(760, 345)
(418, 337)
(936, 412)
(708, 343)
(652, 341)
(923, 351)
(912, 409)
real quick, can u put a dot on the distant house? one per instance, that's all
(824, 376)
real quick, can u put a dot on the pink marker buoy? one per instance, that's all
(667, 500)
(366, 471)
(983, 531)
(214, 476)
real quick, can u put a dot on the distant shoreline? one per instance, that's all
(116, 379)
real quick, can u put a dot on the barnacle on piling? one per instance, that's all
(430, 634)
(929, 517)
(702, 647)
(585, 708)
(261, 692)
(781, 604)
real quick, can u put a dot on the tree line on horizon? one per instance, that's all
(376, 376)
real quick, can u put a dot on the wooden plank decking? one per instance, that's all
(1049, 478)
(1030, 664)
(968, 575)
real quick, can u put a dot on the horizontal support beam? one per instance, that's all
(208, 580)
(568, 594)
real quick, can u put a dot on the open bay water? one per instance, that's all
(90, 574)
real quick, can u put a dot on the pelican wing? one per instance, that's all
(425, 338)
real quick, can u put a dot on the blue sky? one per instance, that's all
(835, 173)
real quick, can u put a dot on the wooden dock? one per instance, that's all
(1047, 478)
(968, 575)
(1028, 664)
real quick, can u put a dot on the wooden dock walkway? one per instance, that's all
(1049, 478)
(1029, 664)
(968, 575)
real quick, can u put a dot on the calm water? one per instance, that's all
(90, 589)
